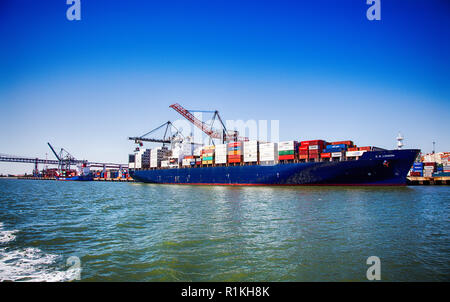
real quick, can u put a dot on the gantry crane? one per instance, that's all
(169, 137)
(65, 159)
(224, 135)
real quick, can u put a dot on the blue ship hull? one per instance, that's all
(77, 178)
(373, 168)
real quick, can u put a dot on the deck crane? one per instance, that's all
(223, 135)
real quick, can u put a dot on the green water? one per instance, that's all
(142, 232)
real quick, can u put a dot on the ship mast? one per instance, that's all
(399, 141)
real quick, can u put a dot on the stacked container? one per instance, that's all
(138, 159)
(157, 155)
(303, 152)
(287, 150)
(268, 153)
(311, 150)
(417, 169)
(131, 161)
(251, 151)
(145, 159)
(428, 169)
(188, 161)
(234, 151)
(221, 154)
(207, 155)
(337, 149)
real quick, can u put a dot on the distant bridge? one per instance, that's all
(36, 161)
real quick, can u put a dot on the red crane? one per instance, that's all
(224, 135)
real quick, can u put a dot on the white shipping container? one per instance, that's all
(250, 145)
(250, 157)
(354, 153)
(313, 147)
(255, 151)
(336, 154)
(268, 152)
(164, 163)
(286, 146)
(220, 160)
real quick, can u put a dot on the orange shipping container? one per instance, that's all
(234, 152)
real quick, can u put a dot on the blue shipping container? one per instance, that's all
(333, 150)
(340, 146)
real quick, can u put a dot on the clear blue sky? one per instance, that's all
(319, 67)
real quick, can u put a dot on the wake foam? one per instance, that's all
(30, 264)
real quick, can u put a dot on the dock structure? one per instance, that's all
(53, 178)
(419, 180)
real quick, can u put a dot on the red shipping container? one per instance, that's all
(353, 149)
(325, 155)
(234, 144)
(430, 164)
(284, 157)
(234, 157)
(348, 143)
(302, 148)
(313, 142)
(234, 160)
(313, 155)
(364, 148)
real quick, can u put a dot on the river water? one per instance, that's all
(102, 231)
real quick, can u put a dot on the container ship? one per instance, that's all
(252, 163)
(240, 161)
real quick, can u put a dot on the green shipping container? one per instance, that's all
(207, 158)
(286, 152)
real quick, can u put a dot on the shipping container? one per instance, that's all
(365, 148)
(313, 142)
(354, 153)
(348, 143)
(290, 152)
(286, 157)
(336, 146)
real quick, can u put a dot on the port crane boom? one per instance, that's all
(223, 135)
